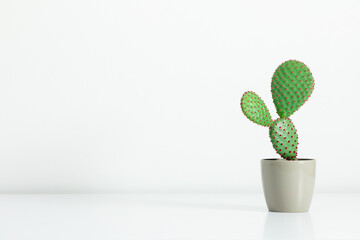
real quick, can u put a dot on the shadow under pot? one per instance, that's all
(288, 185)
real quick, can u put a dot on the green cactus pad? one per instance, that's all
(284, 138)
(255, 109)
(291, 86)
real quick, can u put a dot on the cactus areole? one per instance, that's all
(291, 86)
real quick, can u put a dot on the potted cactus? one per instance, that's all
(288, 181)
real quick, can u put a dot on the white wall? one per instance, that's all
(108, 96)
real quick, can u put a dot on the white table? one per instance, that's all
(173, 216)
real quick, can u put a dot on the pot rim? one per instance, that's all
(295, 160)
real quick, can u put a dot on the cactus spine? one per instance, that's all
(291, 86)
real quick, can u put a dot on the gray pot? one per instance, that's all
(288, 185)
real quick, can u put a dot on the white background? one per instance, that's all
(114, 96)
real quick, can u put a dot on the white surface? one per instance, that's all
(136, 95)
(173, 216)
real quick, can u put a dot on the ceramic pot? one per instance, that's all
(288, 185)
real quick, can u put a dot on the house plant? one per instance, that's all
(288, 182)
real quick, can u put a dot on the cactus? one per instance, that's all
(292, 85)
(255, 109)
(284, 138)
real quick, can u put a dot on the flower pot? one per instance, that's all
(288, 185)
